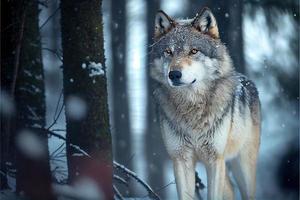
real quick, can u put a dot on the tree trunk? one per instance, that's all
(24, 81)
(10, 30)
(120, 129)
(229, 15)
(85, 93)
(155, 149)
(33, 173)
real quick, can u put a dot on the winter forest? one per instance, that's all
(78, 120)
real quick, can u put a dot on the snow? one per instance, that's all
(80, 150)
(29, 144)
(95, 69)
(76, 107)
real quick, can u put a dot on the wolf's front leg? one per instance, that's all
(216, 179)
(185, 178)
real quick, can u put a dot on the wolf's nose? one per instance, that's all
(175, 75)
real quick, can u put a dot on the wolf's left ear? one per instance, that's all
(163, 24)
(206, 22)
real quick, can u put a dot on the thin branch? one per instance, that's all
(117, 192)
(55, 135)
(120, 179)
(48, 19)
(116, 165)
(55, 52)
(132, 174)
(57, 117)
(165, 186)
(56, 150)
(59, 130)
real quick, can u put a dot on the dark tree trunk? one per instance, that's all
(10, 31)
(24, 81)
(82, 43)
(155, 149)
(120, 129)
(33, 173)
(229, 15)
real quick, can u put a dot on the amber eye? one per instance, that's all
(168, 52)
(194, 51)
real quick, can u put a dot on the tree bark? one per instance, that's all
(22, 73)
(33, 174)
(10, 30)
(82, 43)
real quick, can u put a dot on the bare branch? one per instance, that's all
(55, 52)
(118, 166)
(117, 192)
(120, 179)
(56, 116)
(132, 174)
(48, 19)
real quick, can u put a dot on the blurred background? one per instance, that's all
(263, 39)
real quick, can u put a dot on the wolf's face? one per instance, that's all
(188, 53)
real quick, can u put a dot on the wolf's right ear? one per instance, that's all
(206, 22)
(163, 24)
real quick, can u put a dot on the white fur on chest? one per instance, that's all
(178, 144)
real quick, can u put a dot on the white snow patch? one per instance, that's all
(95, 69)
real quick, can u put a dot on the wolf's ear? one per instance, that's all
(163, 24)
(206, 22)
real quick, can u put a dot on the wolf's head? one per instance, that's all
(188, 53)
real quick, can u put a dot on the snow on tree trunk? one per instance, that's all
(85, 92)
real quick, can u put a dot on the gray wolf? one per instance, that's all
(208, 111)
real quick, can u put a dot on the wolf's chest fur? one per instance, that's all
(195, 121)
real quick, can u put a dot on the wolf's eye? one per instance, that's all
(168, 52)
(194, 51)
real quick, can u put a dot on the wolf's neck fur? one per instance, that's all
(207, 106)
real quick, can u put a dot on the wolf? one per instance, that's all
(208, 112)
